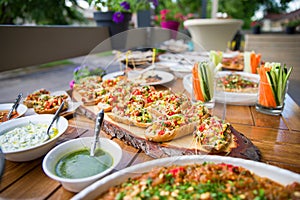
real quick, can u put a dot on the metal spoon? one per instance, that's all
(56, 116)
(15, 106)
(98, 125)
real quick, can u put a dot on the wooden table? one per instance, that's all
(277, 137)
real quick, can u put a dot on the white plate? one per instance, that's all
(165, 66)
(182, 68)
(112, 75)
(182, 58)
(166, 77)
(170, 57)
(233, 98)
(277, 174)
(21, 108)
(72, 106)
(60, 92)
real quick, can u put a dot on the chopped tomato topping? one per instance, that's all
(202, 127)
(136, 92)
(176, 171)
(161, 132)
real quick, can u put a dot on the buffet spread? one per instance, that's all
(163, 123)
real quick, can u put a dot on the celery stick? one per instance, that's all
(286, 78)
(215, 57)
(280, 84)
(247, 62)
(277, 78)
(205, 82)
(211, 69)
(205, 77)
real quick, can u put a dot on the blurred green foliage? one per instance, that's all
(56, 12)
(41, 12)
(238, 9)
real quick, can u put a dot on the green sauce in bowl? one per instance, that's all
(79, 164)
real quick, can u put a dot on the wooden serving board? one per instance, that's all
(134, 136)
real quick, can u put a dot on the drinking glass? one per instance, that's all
(266, 103)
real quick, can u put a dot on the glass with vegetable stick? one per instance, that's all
(203, 83)
(273, 87)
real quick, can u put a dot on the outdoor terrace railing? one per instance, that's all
(23, 46)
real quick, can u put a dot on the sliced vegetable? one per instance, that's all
(254, 62)
(251, 62)
(216, 57)
(196, 84)
(203, 81)
(247, 62)
(273, 82)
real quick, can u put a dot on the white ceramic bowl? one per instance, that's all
(21, 108)
(37, 151)
(75, 185)
(274, 173)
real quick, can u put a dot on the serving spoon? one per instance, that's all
(56, 116)
(98, 125)
(15, 106)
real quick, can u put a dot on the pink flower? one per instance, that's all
(164, 11)
(72, 82)
(190, 15)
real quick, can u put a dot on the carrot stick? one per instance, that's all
(266, 96)
(196, 83)
(252, 61)
(255, 60)
(258, 58)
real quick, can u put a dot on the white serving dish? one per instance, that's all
(37, 151)
(277, 174)
(232, 98)
(21, 108)
(76, 185)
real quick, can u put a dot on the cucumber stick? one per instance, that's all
(216, 57)
(277, 77)
(247, 62)
(206, 78)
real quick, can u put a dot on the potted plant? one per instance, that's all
(290, 27)
(84, 71)
(171, 19)
(117, 13)
(256, 27)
